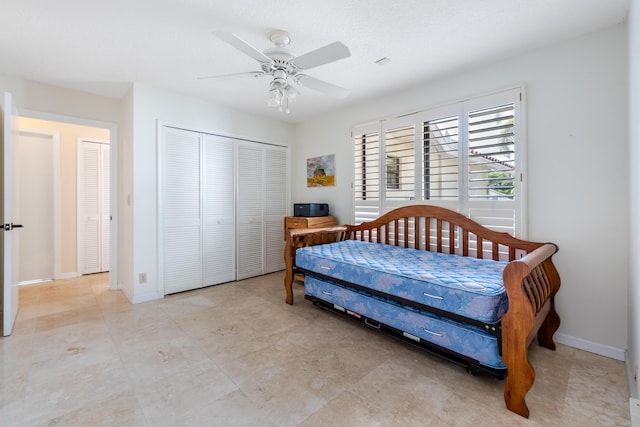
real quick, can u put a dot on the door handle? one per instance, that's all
(9, 227)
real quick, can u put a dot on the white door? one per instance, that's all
(250, 210)
(95, 198)
(180, 203)
(35, 170)
(105, 207)
(276, 204)
(218, 220)
(10, 235)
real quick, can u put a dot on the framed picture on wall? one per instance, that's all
(321, 171)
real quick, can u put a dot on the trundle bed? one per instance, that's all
(436, 279)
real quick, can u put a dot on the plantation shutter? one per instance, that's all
(400, 159)
(367, 173)
(470, 159)
(441, 158)
(493, 167)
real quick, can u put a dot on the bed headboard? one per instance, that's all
(433, 228)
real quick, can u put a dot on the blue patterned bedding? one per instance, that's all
(461, 338)
(466, 286)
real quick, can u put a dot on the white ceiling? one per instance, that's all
(103, 46)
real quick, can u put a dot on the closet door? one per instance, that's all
(96, 199)
(218, 219)
(250, 231)
(276, 204)
(105, 202)
(91, 217)
(182, 244)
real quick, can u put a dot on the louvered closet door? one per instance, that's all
(92, 211)
(276, 203)
(182, 254)
(105, 193)
(95, 214)
(250, 175)
(218, 234)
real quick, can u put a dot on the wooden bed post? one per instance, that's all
(517, 325)
(531, 284)
(300, 237)
(288, 272)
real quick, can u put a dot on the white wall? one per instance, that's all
(633, 358)
(149, 106)
(577, 180)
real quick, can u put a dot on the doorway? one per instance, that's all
(71, 130)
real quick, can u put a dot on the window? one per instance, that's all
(465, 156)
(393, 173)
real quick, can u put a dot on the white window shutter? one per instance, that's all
(367, 172)
(469, 158)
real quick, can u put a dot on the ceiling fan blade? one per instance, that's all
(322, 86)
(243, 46)
(234, 75)
(331, 52)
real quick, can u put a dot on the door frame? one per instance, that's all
(55, 179)
(113, 187)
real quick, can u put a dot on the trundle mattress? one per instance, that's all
(465, 286)
(460, 338)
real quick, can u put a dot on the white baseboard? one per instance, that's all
(634, 406)
(69, 275)
(145, 298)
(592, 347)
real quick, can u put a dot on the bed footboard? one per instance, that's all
(531, 284)
(301, 237)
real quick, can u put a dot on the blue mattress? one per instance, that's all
(466, 286)
(464, 339)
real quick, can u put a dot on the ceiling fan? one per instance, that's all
(286, 68)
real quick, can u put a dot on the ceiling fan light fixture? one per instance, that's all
(274, 98)
(291, 92)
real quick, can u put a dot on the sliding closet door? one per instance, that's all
(181, 227)
(218, 195)
(276, 204)
(250, 175)
(223, 203)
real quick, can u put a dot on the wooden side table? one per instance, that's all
(306, 222)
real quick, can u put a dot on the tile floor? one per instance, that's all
(236, 355)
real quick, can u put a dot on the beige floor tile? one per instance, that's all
(237, 355)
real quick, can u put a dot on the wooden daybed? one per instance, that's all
(529, 284)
